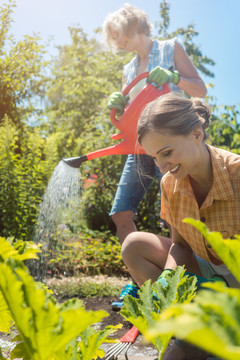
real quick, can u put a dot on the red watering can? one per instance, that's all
(127, 124)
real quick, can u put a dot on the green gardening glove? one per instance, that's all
(162, 280)
(201, 280)
(160, 76)
(117, 101)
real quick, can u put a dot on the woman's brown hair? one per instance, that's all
(173, 114)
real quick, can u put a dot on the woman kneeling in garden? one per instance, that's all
(200, 181)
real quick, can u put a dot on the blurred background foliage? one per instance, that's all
(55, 109)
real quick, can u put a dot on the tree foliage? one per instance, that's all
(188, 35)
(224, 130)
(83, 75)
(21, 69)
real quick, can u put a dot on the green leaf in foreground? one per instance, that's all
(91, 341)
(87, 348)
(143, 312)
(18, 251)
(44, 327)
(6, 319)
(210, 322)
(227, 249)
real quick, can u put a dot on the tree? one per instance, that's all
(224, 130)
(187, 34)
(21, 70)
(83, 76)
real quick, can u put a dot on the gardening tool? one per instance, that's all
(124, 344)
(127, 124)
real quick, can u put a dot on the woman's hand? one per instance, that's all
(160, 76)
(117, 101)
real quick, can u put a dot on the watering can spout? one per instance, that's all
(75, 162)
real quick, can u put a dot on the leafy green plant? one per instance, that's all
(153, 299)
(87, 252)
(92, 340)
(47, 330)
(17, 251)
(227, 249)
(84, 289)
(24, 171)
(224, 128)
(212, 320)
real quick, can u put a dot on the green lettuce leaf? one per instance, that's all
(91, 340)
(145, 311)
(210, 322)
(44, 327)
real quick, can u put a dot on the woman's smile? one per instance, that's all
(175, 169)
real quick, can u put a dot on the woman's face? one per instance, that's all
(124, 42)
(177, 154)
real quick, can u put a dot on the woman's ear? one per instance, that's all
(198, 134)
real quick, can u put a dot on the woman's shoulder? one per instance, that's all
(168, 42)
(228, 159)
(165, 49)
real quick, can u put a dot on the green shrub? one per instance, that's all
(26, 162)
(98, 198)
(88, 252)
(81, 288)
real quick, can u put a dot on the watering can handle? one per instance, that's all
(125, 92)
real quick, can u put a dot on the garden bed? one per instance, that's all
(96, 292)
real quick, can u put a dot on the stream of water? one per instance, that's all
(57, 211)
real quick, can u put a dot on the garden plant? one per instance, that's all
(211, 319)
(45, 329)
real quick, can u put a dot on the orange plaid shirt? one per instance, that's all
(220, 210)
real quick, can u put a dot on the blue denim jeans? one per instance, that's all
(138, 174)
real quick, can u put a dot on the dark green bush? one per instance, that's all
(85, 252)
(26, 163)
(98, 198)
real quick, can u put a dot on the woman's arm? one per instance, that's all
(190, 81)
(180, 253)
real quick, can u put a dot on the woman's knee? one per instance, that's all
(129, 245)
(151, 247)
